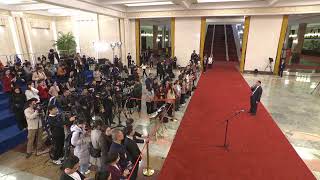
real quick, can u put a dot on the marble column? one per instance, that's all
(155, 37)
(301, 32)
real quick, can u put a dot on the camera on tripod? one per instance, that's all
(270, 60)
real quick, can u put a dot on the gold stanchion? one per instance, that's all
(148, 171)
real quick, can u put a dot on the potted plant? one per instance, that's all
(66, 44)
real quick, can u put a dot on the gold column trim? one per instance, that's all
(137, 29)
(244, 42)
(173, 30)
(282, 38)
(202, 39)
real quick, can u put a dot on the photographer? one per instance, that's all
(57, 123)
(137, 93)
(80, 140)
(34, 126)
(64, 101)
(86, 104)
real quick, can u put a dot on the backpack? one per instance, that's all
(95, 153)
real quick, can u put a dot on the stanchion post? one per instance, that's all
(148, 171)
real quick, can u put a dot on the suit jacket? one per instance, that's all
(119, 148)
(256, 94)
(132, 149)
(65, 176)
(116, 174)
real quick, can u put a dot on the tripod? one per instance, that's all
(314, 90)
(226, 144)
(268, 66)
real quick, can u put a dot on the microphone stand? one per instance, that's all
(226, 144)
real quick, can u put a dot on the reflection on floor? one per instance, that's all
(288, 99)
(296, 111)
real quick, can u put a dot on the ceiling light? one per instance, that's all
(15, 1)
(150, 4)
(214, 1)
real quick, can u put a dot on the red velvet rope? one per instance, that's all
(145, 145)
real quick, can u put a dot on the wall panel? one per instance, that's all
(263, 41)
(187, 38)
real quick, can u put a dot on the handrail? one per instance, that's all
(212, 41)
(237, 41)
(226, 42)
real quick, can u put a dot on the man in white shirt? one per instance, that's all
(34, 126)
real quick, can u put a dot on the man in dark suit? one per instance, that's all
(51, 55)
(129, 58)
(118, 147)
(255, 97)
(132, 149)
(282, 67)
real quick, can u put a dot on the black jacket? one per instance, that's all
(56, 124)
(65, 176)
(105, 142)
(132, 149)
(17, 102)
(256, 93)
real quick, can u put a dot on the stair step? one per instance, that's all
(4, 104)
(7, 119)
(3, 95)
(10, 137)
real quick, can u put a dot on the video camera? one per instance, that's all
(270, 60)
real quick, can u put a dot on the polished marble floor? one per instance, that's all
(296, 111)
(288, 99)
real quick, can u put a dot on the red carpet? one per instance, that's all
(258, 150)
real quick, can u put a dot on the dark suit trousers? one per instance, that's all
(135, 172)
(58, 143)
(253, 105)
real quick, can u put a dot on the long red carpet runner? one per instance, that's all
(258, 149)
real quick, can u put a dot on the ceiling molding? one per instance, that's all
(85, 6)
(227, 12)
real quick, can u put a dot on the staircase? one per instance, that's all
(10, 135)
(208, 41)
(232, 49)
(219, 48)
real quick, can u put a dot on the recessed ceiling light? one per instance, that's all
(150, 4)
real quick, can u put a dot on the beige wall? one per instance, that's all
(63, 24)
(187, 38)
(6, 45)
(41, 34)
(109, 33)
(85, 29)
(129, 39)
(88, 34)
(263, 39)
